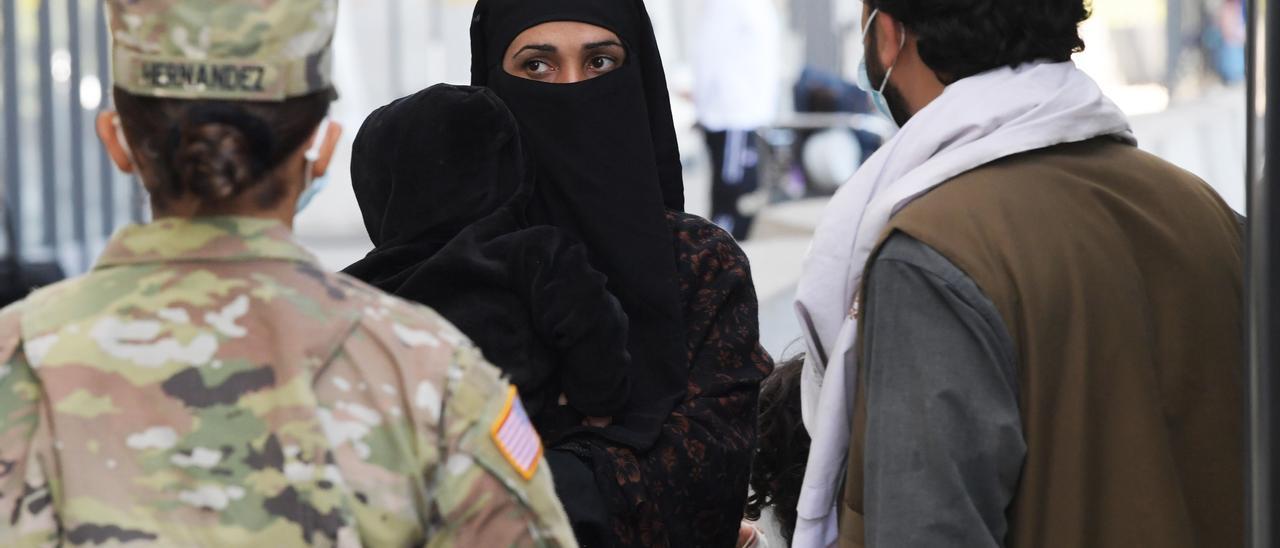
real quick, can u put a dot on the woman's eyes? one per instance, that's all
(537, 66)
(541, 68)
(602, 63)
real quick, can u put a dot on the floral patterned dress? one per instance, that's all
(689, 489)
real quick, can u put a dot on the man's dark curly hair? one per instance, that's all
(961, 38)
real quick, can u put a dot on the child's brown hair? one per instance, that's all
(778, 470)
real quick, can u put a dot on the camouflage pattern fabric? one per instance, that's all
(259, 50)
(208, 385)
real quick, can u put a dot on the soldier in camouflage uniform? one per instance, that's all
(208, 385)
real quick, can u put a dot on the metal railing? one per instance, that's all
(60, 188)
(1263, 297)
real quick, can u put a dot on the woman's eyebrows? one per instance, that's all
(603, 44)
(545, 48)
(550, 48)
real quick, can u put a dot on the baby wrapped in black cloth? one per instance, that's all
(442, 183)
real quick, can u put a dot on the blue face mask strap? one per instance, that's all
(902, 43)
(312, 186)
(317, 144)
(867, 26)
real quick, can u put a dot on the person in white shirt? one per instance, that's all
(737, 88)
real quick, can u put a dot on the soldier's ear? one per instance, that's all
(328, 145)
(113, 140)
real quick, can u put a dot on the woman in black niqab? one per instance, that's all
(608, 171)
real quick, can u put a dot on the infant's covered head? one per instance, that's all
(427, 165)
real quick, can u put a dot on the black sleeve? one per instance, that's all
(944, 445)
(574, 313)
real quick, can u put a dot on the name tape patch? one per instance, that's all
(516, 437)
(224, 77)
(242, 79)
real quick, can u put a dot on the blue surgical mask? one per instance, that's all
(314, 185)
(313, 189)
(864, 78)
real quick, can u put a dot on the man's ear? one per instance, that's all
(112, 138)
(891, 38)
(332, 134)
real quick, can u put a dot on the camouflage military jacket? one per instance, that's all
(207, 385)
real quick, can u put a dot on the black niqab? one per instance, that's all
(608, 169)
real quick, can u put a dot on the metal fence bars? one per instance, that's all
(64, 195)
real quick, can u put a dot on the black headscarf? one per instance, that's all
(441, 178)
(414, 202)
(608, 168)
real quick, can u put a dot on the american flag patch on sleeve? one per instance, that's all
(516, 438)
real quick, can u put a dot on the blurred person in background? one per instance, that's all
(737, 65)
(1225, 37)
(585, 81)
(1023, 331)
(207, 384)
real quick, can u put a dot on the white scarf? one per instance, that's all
(975, 121)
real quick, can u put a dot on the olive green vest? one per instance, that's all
(1119, 278)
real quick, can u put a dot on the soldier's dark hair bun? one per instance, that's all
(217, 151)
(213, 161)
(221, 150)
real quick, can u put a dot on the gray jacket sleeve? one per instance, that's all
(944, 444)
